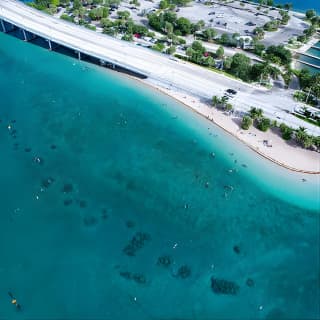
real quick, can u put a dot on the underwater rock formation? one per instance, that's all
(164, 261)
(82, 204)
(67, 188)
(67, 202)
(183, 272)
(47, 182)
(90, 221)
(250, 282)
(236, 249)
(136, 277)
(130, 224)
(136, 243)
(221, 286)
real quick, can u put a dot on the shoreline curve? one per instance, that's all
(170, 94)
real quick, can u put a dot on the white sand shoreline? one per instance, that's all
(287, 155)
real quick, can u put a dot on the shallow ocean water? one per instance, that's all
(89, 158)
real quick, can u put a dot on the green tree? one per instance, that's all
(240, 66)
(124, 15)
(77, 4)
(155, 21)
(163, 4)
(228, 107)
(158, 47)
(224, 39)
(215, 101)
(220, 52)
(255, 113)
(286, 131)
(171, 50)
(183, 25)
(284, 55)
(310, 14)
(180, 2)
(246, 122)
(209, 34)
(264, 124)
(197, 46)
(259, 32)
(259, 48)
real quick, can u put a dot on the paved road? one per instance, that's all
(156, 66)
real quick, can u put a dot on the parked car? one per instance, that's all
(231, 91)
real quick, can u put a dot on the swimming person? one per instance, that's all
(14, 301)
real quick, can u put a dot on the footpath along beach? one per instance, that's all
(268, 144)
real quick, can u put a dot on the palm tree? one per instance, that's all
(301, 135)
(215, 100)
(255, 113)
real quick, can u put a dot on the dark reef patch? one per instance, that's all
(67, 188)
(136, 243)
(164, 261)
(90, 221)
(221, 286)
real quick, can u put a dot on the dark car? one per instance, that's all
(231, 91)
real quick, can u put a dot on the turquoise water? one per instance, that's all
(302, 6)
(96, 158)
(312, 60)
(314, 52)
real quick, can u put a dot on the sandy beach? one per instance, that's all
(286, 154)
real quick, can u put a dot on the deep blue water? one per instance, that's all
(301, 5)
(89, 158)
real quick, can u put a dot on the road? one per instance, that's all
(156, 66)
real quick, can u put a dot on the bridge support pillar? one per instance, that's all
(79, 55)
(24, 35)
(50, 46)
(3, 26)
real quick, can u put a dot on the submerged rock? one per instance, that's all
(221, 286)
(164, 261)
(67, 202)
(104, 213)
(82, 204)
(47, 182)
(136, 277)
(236, 249)
(136, 243)
(90, 221)
(130, 224)
(27, 149)
(139, 278)
(67, 188)
(250, 282)
(125, 274)
(183, 272)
